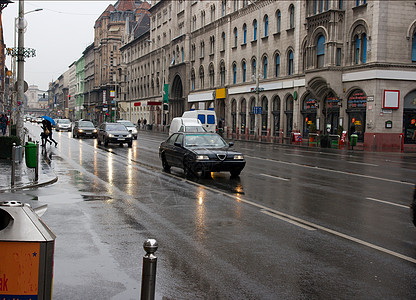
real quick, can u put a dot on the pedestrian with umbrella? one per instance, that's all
(47, 130)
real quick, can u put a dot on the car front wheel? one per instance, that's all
(165, 164)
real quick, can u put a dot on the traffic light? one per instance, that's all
(69, 97)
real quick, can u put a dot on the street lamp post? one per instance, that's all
(21, 53)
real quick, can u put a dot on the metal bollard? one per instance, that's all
(149, 270)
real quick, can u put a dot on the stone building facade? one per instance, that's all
(274, 68)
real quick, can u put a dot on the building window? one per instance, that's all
(414, 48)
(338, 57)
(255, 30)
(277, 65)
(212, 44)
(193, 80)
(253, 67)
(235, 37)
(234, 115)
(243, 117)
(193, 52)
(234, 73)
(201, 77)
(212, 13)
(320, 51)
(292, 16)
(222, 73)
(290, 63)
(266, 25)
(265, 67)
(278, 21)
(182, 54)
(202, 49)
(236, 5)
(224, 8)
(244, 67)
(340, 4)
(244, 34)
(211, 76)
(223, 41)
(364, 48)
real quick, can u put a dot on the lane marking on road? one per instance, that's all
(330, 170)
(387, 202)
(275, 177)
(270, 213)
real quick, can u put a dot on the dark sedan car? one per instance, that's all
(114, 133)
(84, 128)
(200, 152)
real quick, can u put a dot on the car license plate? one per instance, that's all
(120, 139)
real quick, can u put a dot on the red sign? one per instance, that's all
(137, 103)
(343, 136)
(154, 103)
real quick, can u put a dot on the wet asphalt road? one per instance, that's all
(297, 224)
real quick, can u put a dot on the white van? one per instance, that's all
(208, 118)
(185, 125)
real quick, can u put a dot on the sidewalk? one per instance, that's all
(24, 176)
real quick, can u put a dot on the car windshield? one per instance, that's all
(127, 123)
(63, 121)
(86, 124)
(116, 127)
(204, 140)
(195, 129)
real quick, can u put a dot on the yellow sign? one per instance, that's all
(19, 269)
(358, 123)
(220, 93)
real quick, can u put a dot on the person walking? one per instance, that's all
(3, 123)
(47, 128)
(138, 123)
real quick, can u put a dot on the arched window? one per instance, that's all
(234, 73)
(320, 51)
(244, 34)
(234, 115)
(265, 67)
(278, 21)
(290, 63)
(223, 41)
(212, 13)
(201, 77)
(364, 48)
(235, 37)
(266, 25)
(253, 68)
(255, 30)
(244, 67)
(192, 80)
(222, 73)
(276, 116)
(277, 65)
(292, 16)
(264, 115)
(414, 48)
(211, 75)
(243, 116)
(183, 54)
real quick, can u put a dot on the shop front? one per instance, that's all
(356, 110)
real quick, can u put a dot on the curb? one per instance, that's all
(29, 186)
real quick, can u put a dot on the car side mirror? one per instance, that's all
(230, 144)
(177, 144)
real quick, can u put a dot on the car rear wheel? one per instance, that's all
(235, 173)
(165, 164)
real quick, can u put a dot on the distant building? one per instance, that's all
(36, 100)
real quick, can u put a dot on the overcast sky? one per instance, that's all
(59, 34)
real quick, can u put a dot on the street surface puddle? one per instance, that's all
(96, 197)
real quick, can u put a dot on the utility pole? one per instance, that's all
(20, 72)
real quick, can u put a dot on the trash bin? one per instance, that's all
(334, 138)
(31, 154)
(354, 139)
(27, 251)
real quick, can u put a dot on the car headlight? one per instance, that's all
(80, 130)
(94, 131)
(134, 131)
(202, 157)
(129, 135)
(110, 135)
(238, 156)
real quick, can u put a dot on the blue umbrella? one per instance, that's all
(49, 119)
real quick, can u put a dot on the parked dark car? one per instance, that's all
(114, 133)
(203, 152)
(413, 206)
(84, 128)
